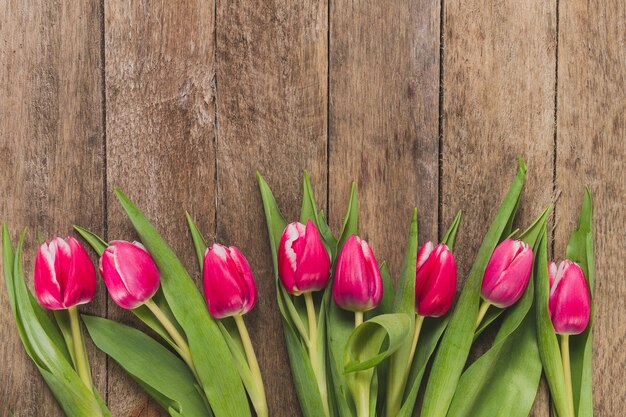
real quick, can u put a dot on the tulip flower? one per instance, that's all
(358, 284)
(229, 285)
(435, 285)
(130, 274)
(569, 307)
(303, 262)
(435, 282)
(132, 278)
(506, 276)
(569, 303)
(230, 291)
(64, 278)
(304, 267)
(64, 274)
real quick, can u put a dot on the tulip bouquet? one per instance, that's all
(358, 345)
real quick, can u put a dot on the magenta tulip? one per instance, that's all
(570, 304)
(64, 274)
(507, 273)
(130, 274)
(358, 285)
(435, 282)
(229, 285)
(303, 262)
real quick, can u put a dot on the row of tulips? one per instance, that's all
(358, 346)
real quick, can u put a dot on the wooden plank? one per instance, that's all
(50, 151)
(499, 77)
(160, 135)
(272, 117)
(591, 150)
(384, 88)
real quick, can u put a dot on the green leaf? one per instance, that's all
(404, 302)
(546, 338)
(151, 364)
(96, 242)
(457, 339)
(365, 350)
(42, 340)
(211, 356)
(351, 221)
(449, 238)
(199, 244)
(580, 250)
(510, 370)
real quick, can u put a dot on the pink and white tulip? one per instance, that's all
(64, 274)
(130, 274)
(435, 282)
(569, 304)
(303, 262)
(358, 284)
(229, 286)
(507, 273)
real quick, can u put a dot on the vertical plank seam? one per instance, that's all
(105, 207)
(555, 154)
(554, 139)
(215, 122)
(440, 123)
(328, 111)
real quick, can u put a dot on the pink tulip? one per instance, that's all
(229, 285)
(435, 282)
(303, 262)
(507, 273)
(64, 274)
(130, 274)
(569, 304)
(358, 285)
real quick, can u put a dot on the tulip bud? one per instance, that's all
(569, 304)
(229, 285)
(358, 285)
(303, 262)
(435, 282)
(129, 272)
(507, 273)
(64, 274)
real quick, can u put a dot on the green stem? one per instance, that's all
(82, 362)
(567, 373)
(315, 357)
(395, 391)
(259, 400)
(179, 340)
(362, 381)
(358, 318)
(481, 312)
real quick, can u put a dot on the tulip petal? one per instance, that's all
(313, 268)
(81, 276)
(47, 287)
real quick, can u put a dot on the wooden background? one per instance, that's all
(424, 103)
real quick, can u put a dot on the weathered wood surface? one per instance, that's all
(591, 150)
(424, 104)
(51, 158)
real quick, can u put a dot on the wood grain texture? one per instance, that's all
(591, 150)
(499, 77)
(50, 119)
(272, 117)
(160, 136)
(384, 85)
